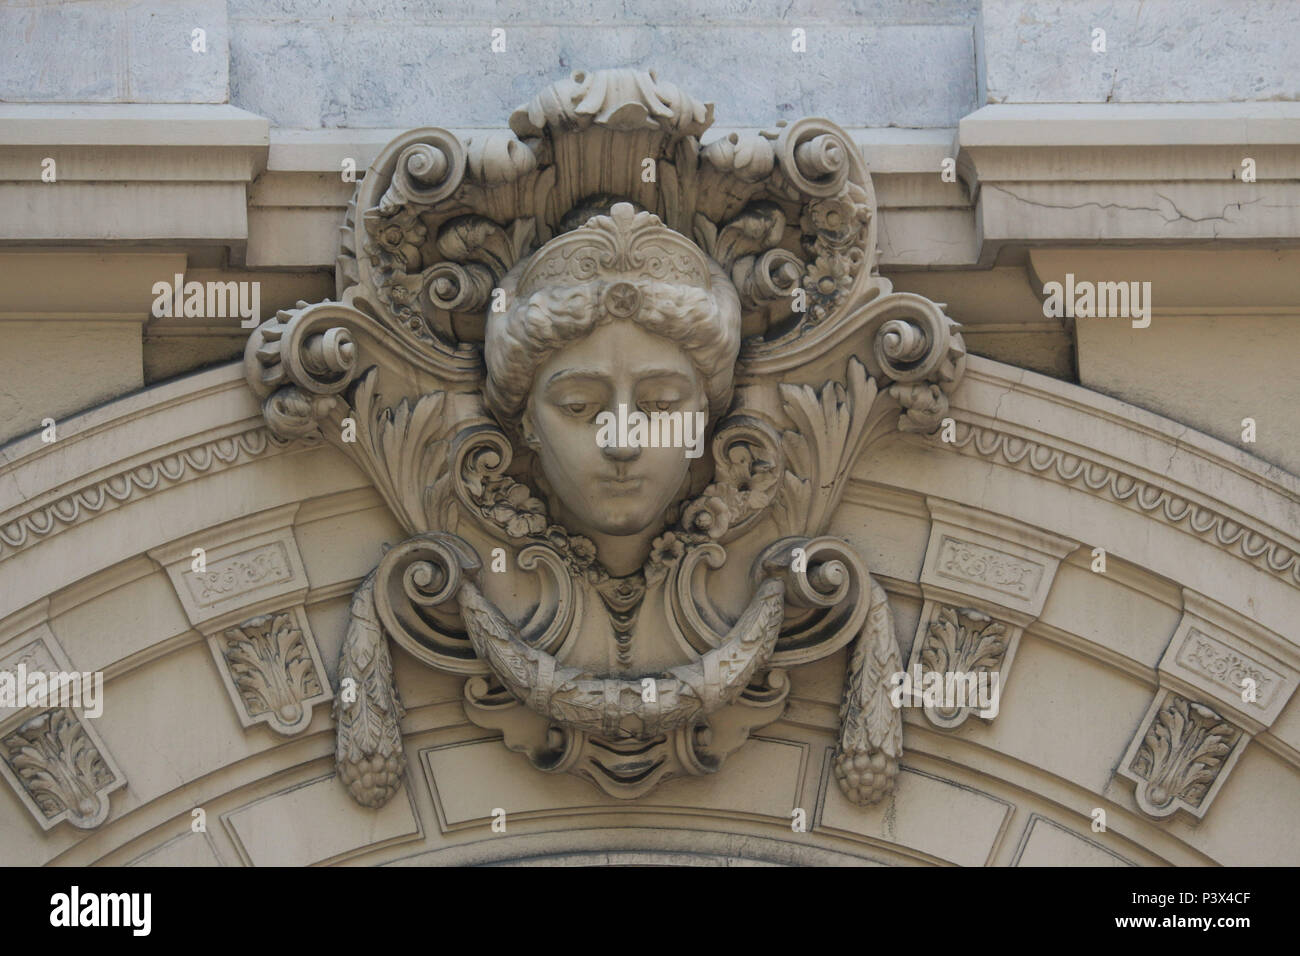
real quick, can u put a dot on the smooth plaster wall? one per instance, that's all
(1157, 51)
(387, 63)
(65, 367)
(313, 63)
(1176, 367)
(113, 51)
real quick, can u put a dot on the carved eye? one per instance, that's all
(577, 408)
(660, 406)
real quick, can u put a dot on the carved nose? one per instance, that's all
(622, 452)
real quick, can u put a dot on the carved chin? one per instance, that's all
(614, 519)
(615, 508)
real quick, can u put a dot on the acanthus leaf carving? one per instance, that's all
(274, 669)
(1181, 756)
(962, 647)
(61, 769)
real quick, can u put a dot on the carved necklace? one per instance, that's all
(622, 598)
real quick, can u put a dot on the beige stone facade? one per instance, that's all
(1101, 515)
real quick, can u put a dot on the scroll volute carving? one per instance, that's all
(622, 611)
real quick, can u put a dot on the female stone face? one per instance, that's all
(613, 490)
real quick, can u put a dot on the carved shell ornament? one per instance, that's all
(648, 604)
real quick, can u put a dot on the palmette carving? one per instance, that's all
(273, 671)
(602, 647)
(961, 641)
(1183, 753)
(60, 769)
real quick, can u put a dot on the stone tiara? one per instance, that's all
(623, 246)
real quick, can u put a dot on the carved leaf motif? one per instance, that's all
(758, 228)
(871, 728)
(401, 448)
(830, 430)
(271, 667)
(1183, 752)
(367, 708)
(963, 641)
(58, 764)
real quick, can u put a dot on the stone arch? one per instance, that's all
(1200, 583)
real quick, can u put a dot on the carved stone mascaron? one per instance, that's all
(604, 186)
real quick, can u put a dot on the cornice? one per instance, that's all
(991, 388)
(1133, 172)
(1029, 173)
(1217, 493)
(191, 126)
(1038, 125)
(129, 173)
(302, 193)
(127, 450)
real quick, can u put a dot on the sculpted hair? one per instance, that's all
(705, 324)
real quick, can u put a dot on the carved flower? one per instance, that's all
(834, 219)
(754, 480)
(401, 237)
(519, 497)
(583, 551)
(707, 514)
(828, 279)
(398, 298)
(666, 549)
(925, 405)
(516, 511)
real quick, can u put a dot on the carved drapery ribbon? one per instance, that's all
(607, 705)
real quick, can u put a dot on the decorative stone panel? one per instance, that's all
(1215, 652)
(1223, 679)
(250, 561)
(984, 579)
(1181, 755)
(52, 756)
(247, 602)
(272, 669)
